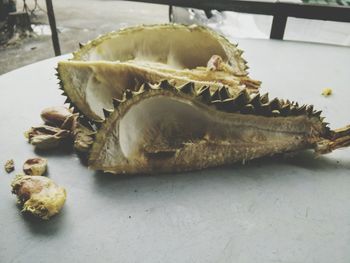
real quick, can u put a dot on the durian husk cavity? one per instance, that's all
(172, 98)
(107, 66)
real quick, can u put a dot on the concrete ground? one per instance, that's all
(77, 21)
(83, 20)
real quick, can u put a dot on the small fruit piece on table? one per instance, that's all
(35, 166)
(55, 115)
(39, 195)
(9, 166)
(46, 137)
(327, 92)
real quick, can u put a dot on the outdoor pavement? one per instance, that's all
(83, 20)
(77, 21)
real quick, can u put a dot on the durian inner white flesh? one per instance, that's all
(178, 46)
(164, 125)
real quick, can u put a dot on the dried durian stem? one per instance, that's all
(339, 138)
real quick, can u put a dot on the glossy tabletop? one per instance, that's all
(280, 209)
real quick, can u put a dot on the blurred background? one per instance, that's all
(25, 35)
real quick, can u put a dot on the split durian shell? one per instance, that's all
(164, 128)
(172, 98)
(178, 46)
(105, 67)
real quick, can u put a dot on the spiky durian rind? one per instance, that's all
(220, 100)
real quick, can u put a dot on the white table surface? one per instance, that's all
(272, 210)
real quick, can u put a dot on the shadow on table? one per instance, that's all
(63, 150)
(264, 170)
(39, 226)
(308, 160)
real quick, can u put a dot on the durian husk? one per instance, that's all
(108, 65)
(191, 40)
(90, 86)
(302, 126)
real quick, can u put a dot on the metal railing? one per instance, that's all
(279, 10)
